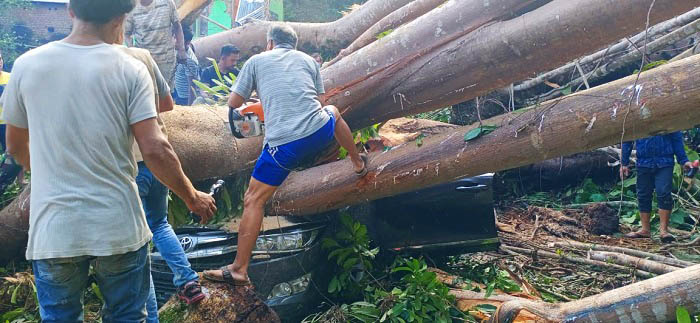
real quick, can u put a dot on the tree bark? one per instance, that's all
(667, 101)
(627, 251)
(330, 37)
(189, 10)
(397, 18)
(632, 262)
(652, 300)
(414, 70)
(14, 226)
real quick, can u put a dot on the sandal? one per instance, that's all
(637, 235)
(226, 277)
(363, 171)
(191, 293)
(667, 238)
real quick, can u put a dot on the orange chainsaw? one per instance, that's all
(247, 121)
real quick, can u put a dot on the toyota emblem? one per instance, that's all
(186, 243)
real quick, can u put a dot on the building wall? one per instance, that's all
(46, 21)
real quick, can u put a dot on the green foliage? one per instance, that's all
(478, 132)
(682, 315)
(353, 257)
(589, 192)
(222, 90)
(384, 33)
(420, 297)
(651, 65)
(441, 115)
(229, 204)
(488, 275)
(361, 136)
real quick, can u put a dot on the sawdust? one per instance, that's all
(224, 303)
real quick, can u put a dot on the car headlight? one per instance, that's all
(291, 287)
(285, 242)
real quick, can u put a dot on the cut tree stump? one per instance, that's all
(224, 303)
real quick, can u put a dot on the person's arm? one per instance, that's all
(18, 145)
(157, 152)
(679, 147)
(177, 31)
(165, 100)
(244, 86)
(626, 152)
(14, 113)
(318, 82)
(161, 159)
(625, 159)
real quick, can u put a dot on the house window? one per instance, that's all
(51, 29)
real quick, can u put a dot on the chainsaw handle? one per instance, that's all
(234, 115)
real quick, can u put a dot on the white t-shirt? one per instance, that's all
(78, 103)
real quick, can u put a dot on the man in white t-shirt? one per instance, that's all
(85, 209)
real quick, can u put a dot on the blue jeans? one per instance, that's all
(154, 197)
(123, 280)
(650, 179)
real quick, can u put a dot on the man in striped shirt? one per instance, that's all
(152, 26)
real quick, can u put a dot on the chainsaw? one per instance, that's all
(247, 121)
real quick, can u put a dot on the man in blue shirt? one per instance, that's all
(655, 161)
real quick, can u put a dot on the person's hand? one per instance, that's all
(181, 55)
(202, 205)
(624, 172)
(687, 166)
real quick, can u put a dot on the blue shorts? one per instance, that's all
(275, 163)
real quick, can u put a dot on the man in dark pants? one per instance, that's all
(655, 172)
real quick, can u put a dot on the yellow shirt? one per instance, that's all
(4, 79)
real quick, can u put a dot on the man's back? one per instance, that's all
(84, 197)
(288, 83)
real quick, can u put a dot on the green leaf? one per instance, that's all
(97, 292)
(384, 34)
(597, 197)
(478, 132)
(566, 90)
(682, 315)
(13, 299)
(12, 315)
(333, 285)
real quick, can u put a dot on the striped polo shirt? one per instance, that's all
(151, 27)
(288, 83)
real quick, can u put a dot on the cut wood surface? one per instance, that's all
(652, 300)
(251, 38)
(665, 100)
(189, 10)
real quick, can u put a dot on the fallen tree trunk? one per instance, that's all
(652, 300)
(626, 251)
(577, 260)
(631, 261)
(397, 18)
(14, 226)
(666, 100)
(313, 37)
(407, 72)
(189, 10)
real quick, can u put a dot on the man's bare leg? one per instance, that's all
(664, 216)
(344, 137)
(256, 196)
(645, 231)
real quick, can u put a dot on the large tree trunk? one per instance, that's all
(328, 37)
(462, 49)
(397, 18)
(666, 100)
(653, 300)
(14, 225)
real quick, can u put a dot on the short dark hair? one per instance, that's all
(229, 50)
(187, 32)
(100, 12)
(282, 34)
